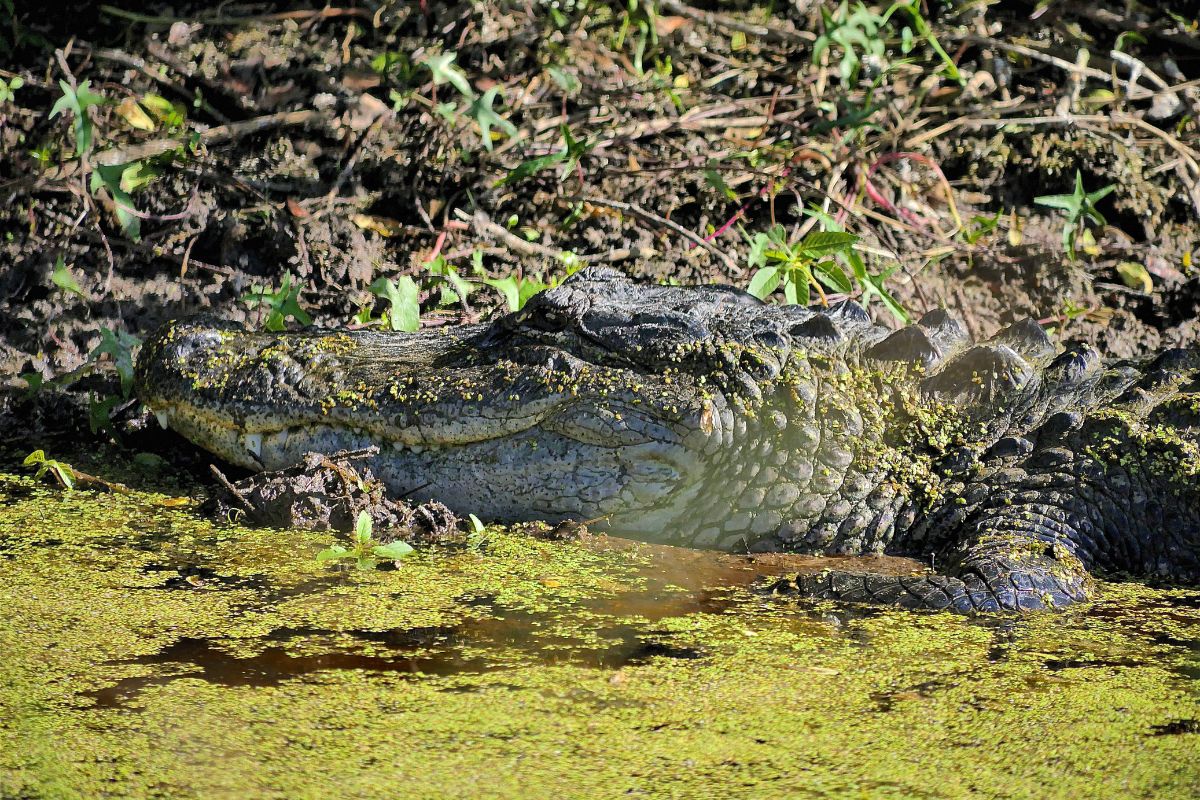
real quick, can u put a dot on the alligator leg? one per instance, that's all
(1010, 564)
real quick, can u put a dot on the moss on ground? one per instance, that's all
(149, 654)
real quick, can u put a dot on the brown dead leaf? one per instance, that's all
(364, 112)
(665, 26)
(134, 115)
(295, 209)
(360, 79)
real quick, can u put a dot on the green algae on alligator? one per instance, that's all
(700, 416)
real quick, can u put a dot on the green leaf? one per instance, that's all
(717, 182)
(77, 101)
(404, 306)
(832, 275)
(393, 551)
(120, 346)
(758, 251)
(1066, 202)
(1135, 276)
(508, 286)
(100, 412)
(566, 81)
(476, 525)
(36, 457)
(443, 69)
(63, 279)
(112, 178)
(334, 552)
(34, 381)
(820, 243)
(532, 167)
(366, 563)
(765, 281)
(481, 111)
(63, 472)
(362, 527)
(282, 304)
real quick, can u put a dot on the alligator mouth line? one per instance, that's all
(261, 446)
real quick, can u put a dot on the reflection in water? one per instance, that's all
(671, 582)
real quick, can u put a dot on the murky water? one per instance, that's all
(144, 652)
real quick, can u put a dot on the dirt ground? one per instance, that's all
(231, 148)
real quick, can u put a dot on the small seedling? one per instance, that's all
(800, 266)
(572, 151)
(477, 536)
(280, 304)
(61, 471)
(454, 287)
(63, 279)
(481, 111)
(981, 227)
(857, 33)
(1080, 206)
(78, 100)
(8, 87)
(444, 70)
(366, 552)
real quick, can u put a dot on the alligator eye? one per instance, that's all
(546, 319)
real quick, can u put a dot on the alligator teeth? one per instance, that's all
(163, 419)
(417, 449)
(253, 443)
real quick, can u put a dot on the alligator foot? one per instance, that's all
(997, 574)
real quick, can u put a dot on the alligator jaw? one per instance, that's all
(444, 414)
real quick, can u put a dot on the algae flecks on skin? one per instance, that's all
(146, 653)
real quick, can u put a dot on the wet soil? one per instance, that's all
(315, 144)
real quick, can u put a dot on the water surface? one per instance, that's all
(146, 653)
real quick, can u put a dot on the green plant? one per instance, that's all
(454, 288)
(8, 87)
(477, 536)
(858, 32)
(78, 100)
(61, 471)
(63, 279)
(798, 266)
(870, 284)
(517, 289)
(981, 227)
(1080, 206)
(120, 180)
(481, 111)
(443, 69)
(119, 346)
(913, 9)
(404, 308)
(572, 151)
(854, 31)
(638, 23)
(281, 303)
(364, 550)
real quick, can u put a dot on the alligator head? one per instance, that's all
(600, 399)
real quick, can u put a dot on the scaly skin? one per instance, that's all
(701, 417)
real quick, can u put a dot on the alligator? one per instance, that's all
(703, 417)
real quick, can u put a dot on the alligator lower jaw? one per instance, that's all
(261, 446)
